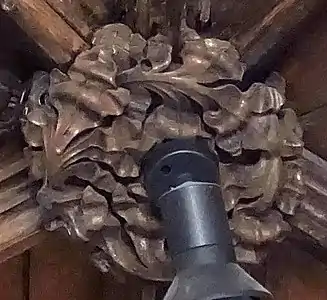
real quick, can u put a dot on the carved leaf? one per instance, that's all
(126, 94)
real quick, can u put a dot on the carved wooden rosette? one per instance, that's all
(89, 129)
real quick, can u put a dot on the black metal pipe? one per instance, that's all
(182, 180)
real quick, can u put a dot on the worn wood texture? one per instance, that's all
(137, 289)
(19, 53)
(294, 274)
(72, 12)
(18, 223)
(315, 133)
(232, 17)
(255, 27)
(60, 269)
(98, 10)
(84, 15)
(274, 31)
(305, 68)
(311, 214)
(12, 279)
(19, 213)
(21, 244)
(116, 290)
(46, 28)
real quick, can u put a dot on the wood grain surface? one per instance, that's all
(295, 274)
(12, 279)
(275, 30)
(314, 126)
(305, 68)
(61, 270)
(232, 17)
(72, 12)
(47, 29)
(18, 223)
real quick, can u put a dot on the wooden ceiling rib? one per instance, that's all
(275, 30)
(72, 13)
(36, 17)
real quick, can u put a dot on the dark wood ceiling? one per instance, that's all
(289, 36)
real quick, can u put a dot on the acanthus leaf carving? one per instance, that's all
(126, 94)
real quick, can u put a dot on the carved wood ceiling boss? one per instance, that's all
(88, 129)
